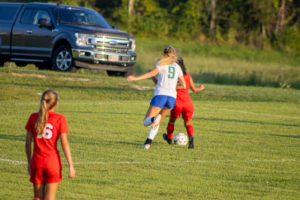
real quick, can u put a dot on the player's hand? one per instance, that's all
(130, 78)
(71, 172)
(201, 87)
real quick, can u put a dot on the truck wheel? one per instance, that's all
(1, 62)
(62, 59)
(21, 64)
(43, 65)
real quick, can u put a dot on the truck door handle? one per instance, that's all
(29, 31)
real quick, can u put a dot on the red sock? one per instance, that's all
(36, 199)
(190, 130)
(170, 130)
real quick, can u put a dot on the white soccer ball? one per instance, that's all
(180, 139)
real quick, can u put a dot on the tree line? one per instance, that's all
(260, 23)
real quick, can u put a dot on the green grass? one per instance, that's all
(246, 140)
(233, 65)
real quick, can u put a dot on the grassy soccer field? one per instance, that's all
(247, 140)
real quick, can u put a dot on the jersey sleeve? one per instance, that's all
(30, 124)
(63, 126)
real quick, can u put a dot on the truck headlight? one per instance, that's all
(132, 44)
(85, 40)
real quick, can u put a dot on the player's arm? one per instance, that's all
(181, 83)
(194, 88)
(67, 151)
(28, 149)
(150, 74)
(154, 79)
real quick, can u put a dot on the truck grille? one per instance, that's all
(112, 44)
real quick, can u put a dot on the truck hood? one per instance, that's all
(96, 30)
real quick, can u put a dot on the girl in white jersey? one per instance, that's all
(169, 73)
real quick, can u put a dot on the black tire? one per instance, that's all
(1, 62)
(21, 64)
(116, 73)
(62, 59)
(43, 65)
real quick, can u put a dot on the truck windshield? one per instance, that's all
(86, 17)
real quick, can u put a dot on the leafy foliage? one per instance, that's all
(264, 24)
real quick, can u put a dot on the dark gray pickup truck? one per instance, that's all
(61, 37)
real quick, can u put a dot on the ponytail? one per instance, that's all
(169, 56)
(48, 101)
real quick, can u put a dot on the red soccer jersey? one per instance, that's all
(184, 105)
(45, 153)
(183, 96)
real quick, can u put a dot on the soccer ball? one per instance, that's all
(180, 139)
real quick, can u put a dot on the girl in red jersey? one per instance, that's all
(169, 73)
(44, 166)
(183, 106)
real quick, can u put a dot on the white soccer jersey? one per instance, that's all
(167, 80)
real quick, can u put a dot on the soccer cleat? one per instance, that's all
(147, 143)
(191, 142)
(165, 136)
(156, 121)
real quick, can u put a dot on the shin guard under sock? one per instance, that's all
(190, 130)
(170, 130)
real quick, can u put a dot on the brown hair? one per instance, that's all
(169, 56)
(48, 101)
(182, 65)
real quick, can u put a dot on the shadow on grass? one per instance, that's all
(109, 113)
(13, 137)
(246, 121)
(250, 79)
(286, 136)
(73, 87)
(93, 141)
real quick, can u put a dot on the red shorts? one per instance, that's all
(45, 175)
(187, 111)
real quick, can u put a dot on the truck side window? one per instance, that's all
(7, 13)
(27, 16)
(41, 14)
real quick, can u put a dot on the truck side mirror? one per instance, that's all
(114, 27)
(44, 23)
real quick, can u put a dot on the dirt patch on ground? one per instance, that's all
(45, 76)
(30, 75)
(141, 87)
(75, 79)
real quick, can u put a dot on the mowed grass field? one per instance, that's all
(247, 140)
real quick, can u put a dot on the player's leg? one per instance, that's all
(187, 115)
(50, 191)
(190, 132)
(166, 103)
(154, 129)
(38, 190)
(151, 115)
(156, 105)
(170, 129)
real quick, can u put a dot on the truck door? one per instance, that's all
(29, 39)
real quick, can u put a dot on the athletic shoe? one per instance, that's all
(165, 136)
(156, 121)
(147, 143)
(191, 142)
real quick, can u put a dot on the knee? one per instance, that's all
(172, 120)
(187, 123)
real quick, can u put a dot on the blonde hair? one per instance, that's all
(48, 101)
(169, 56)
